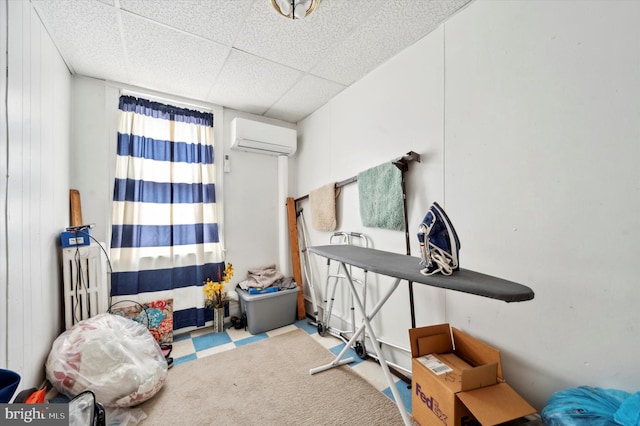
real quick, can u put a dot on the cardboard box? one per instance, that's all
(457, 380)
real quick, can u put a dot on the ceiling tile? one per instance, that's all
(165, 59)
(395, 26)
(218, 20)
(300, 43)
(415, 22)
(308, 94)
(252, 84)
(87, 35)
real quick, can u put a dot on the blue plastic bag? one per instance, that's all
(592, 406)
(629, 411)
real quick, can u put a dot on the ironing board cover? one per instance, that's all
(408, 268)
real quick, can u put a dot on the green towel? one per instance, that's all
(381, 200)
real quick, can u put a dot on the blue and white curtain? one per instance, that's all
(165, 239)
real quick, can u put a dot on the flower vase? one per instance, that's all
(218, 319)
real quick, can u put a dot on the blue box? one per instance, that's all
(75, 238)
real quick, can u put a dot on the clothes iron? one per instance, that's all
(439, 243)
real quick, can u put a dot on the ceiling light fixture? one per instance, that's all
(295, 9)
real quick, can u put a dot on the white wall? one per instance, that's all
(552, 111)
(94, 112)
(396, 109)
(526, 114)
(253, 208)
(37, 194)
(4, 164)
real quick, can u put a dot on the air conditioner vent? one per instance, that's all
(262, 138)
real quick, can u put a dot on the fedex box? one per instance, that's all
(457, 380)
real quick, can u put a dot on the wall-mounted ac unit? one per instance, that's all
(262, 138)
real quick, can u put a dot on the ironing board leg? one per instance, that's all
(381, 358)
(338, 359)
(367, 324)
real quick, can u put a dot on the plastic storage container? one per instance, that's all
(269, 310)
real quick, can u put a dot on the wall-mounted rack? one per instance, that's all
(401, 163)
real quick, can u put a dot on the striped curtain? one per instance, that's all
(165, 240)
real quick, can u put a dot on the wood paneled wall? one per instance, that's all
(35, 152)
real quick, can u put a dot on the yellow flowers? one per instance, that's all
(211, 288)
(228, 272)
(214, 297)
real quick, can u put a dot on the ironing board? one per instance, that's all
(403, 267)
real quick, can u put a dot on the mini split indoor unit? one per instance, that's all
(262, 138)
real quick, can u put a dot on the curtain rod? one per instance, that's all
(166, 100)
(401, 163)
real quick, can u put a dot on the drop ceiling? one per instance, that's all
(239, 54)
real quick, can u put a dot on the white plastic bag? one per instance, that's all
(116, 358)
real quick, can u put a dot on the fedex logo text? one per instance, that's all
(431, 404)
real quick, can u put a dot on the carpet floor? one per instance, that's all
(268, 383)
